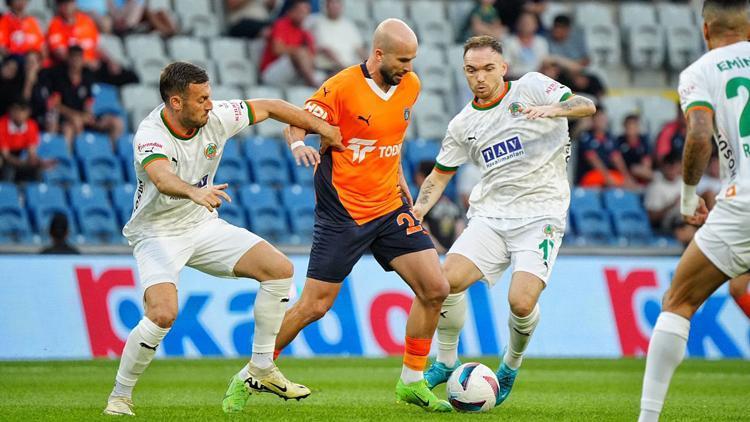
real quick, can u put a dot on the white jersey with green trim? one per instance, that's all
(523, 162)
(194, 159)
(720, 81)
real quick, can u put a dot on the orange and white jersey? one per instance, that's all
(360, 183)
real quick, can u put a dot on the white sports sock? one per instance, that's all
(270, 305)
(409, 375)
(521, 329)
(450, 323)
(139, 350)
(262, 360)
(665, 352)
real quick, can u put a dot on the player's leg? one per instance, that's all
(738, 290)
(316, 299)
(695, 278)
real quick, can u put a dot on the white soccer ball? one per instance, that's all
(473, 387)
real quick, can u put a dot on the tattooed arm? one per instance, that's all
(430, 191)
(696, 155)
(575, 106)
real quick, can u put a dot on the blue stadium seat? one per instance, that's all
(53, 146)
(632, 226)
(129, 167)
(592, 225)
(14, 226)
(93, 145)
(304, 176)
(232, 170)
(122, 200)
(8, 194)
(582, 199)
(253, 197)
(106, 100)
(124, 147)
(43, 194)
(300, 206)
(420, 150)
(43, 214)
(65, 172)
(232, 149)
(269, 224)
(86, 195)
(98, 223)
(233, 214)
(621, 200)
(269, 165)
(102, 170)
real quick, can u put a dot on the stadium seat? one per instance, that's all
(225, 47)
(304, 176)
(676, 15)
(226, 92)
(42, 215)
(646, 47)
(427, 11)
(269, 224)
(459, 10)
(102, 170)
(93, 145)
(84, 195)
(239, 73)
(431, 126)
(684, 46)
(300, 205)
(582, 199)
(553, 10)
(232, 149)
(232, 170)
(430, 102)
(618, 107)
(385, 9)
(233, 214)
(114, 47)
(124, 146)
(298, 95)
(269, 166)
(185, 48)
(621, 200)
(632, 226)
(257, 197)
(145, 46)
(268, 128)
(107, 100)
(42, 194)
(122, 200)
(601, 33)
(98, 223)
(139, 100)
(656, 111)
(436, 33)
(357, 10)
(199, 24)
(420, 150)
(52, 146)
(65, 172)
(14, 225)
(296, 195)
(149, 68)
(592, 225)
(8, 194)
(434, 74)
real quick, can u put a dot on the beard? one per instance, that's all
(389, 76)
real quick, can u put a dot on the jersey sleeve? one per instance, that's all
(452, 152)
(234, 115)
(693, 90)
(324, 103)
(150, 146)
(544, 90)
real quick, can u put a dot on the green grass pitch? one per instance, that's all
(363, 389)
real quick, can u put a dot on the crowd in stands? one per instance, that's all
(51, 70)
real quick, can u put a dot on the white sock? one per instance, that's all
(139, 350)
(665, 352)
(521, 329)
(270, 306)
(262, 360)
(452, 317)
(409, 375)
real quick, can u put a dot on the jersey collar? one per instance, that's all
(384, 95)
(173, 132)
(493, 103)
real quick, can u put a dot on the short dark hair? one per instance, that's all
(483, 41)
(673, 157)
(561, 20)
(58, 226)
(75, 49)
(630, 117)
(19, 103)
(724, 4)
(177, 76)
(291, 4)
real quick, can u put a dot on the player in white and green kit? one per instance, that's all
(714, 94)
(517, 134)
(177, 150)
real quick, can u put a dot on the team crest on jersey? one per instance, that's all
(210, 151)
(515, 109)
(548, 230)
(503, 152)
(407, 113)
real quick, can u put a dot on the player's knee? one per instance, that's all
(435, 294)
(737, 289)
(281, 270)
(162, 316)
(680, 304)
(522, 306)
(318, 310)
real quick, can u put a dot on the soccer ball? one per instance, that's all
(473, 387)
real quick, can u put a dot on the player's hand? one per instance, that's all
(330, 137)
(303, 154)
(210, 196)
(406, 194)
(538, 112)
(700, 215)
(418, 212)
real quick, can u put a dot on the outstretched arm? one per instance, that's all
(430, 192)
(696, 155)
(575, 106)
(284, 112)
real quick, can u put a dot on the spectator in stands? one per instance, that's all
(19, 137)
(250, 18)
(635, 150)
(161, 20)
(580, 82)
(58, 231)
(511, 10)
(566, 46)
(445, 221)
(710, 184)
(339, 43)
(19, 32)
(73, 83)
(98, 10)
(662, 200)
(71, 27)
(484, 20)
(526, 51)
(290, 52)
(11, 82)
(600, 163)
(672, 136)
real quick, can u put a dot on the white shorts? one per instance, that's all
(214, 248)
(529, 244)
(725, 240)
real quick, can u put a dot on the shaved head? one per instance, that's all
(725, 19)
(394, 46)
(394, 34)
